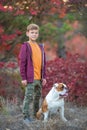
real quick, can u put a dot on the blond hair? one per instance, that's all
(32, 27)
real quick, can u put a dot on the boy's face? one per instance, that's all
(33, 34)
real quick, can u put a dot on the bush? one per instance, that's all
(10, 85)
(71, 71)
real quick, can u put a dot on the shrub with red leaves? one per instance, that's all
(10, 85)
(71, 71)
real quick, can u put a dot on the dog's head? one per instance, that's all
(62, 89)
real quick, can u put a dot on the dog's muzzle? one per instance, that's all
(65, 94)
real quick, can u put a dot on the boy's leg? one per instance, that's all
(28, 99)
(37, 95)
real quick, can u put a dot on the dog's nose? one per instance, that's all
(67, 89)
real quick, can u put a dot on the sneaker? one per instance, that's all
(26, 121)
(30, 119)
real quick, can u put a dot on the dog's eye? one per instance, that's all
(62, 87)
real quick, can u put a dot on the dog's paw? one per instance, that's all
(64, 119)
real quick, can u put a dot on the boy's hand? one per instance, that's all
(43, 82)
(24, 82)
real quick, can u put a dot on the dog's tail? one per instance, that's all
(38, 114)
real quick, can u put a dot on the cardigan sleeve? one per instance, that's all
(44, 67)
(23, 61)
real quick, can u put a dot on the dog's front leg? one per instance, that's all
(46, 116)
(62, 114)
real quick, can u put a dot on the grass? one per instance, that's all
(77, 119)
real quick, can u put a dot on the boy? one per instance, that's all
(32, 71)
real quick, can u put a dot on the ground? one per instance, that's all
(76, 116)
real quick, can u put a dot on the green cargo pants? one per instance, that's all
(32, 94)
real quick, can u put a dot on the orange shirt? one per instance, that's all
(37, 60)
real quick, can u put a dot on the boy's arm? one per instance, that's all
(22, 58)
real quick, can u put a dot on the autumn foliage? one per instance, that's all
(72, 72)
(13, 20)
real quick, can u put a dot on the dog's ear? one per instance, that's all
(55, 85)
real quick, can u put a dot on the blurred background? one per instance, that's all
(63, 30)
(62, 24)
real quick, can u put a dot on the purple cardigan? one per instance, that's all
(26, 64)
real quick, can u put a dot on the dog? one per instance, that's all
(54, 101)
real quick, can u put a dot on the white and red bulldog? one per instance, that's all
(54, 101)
